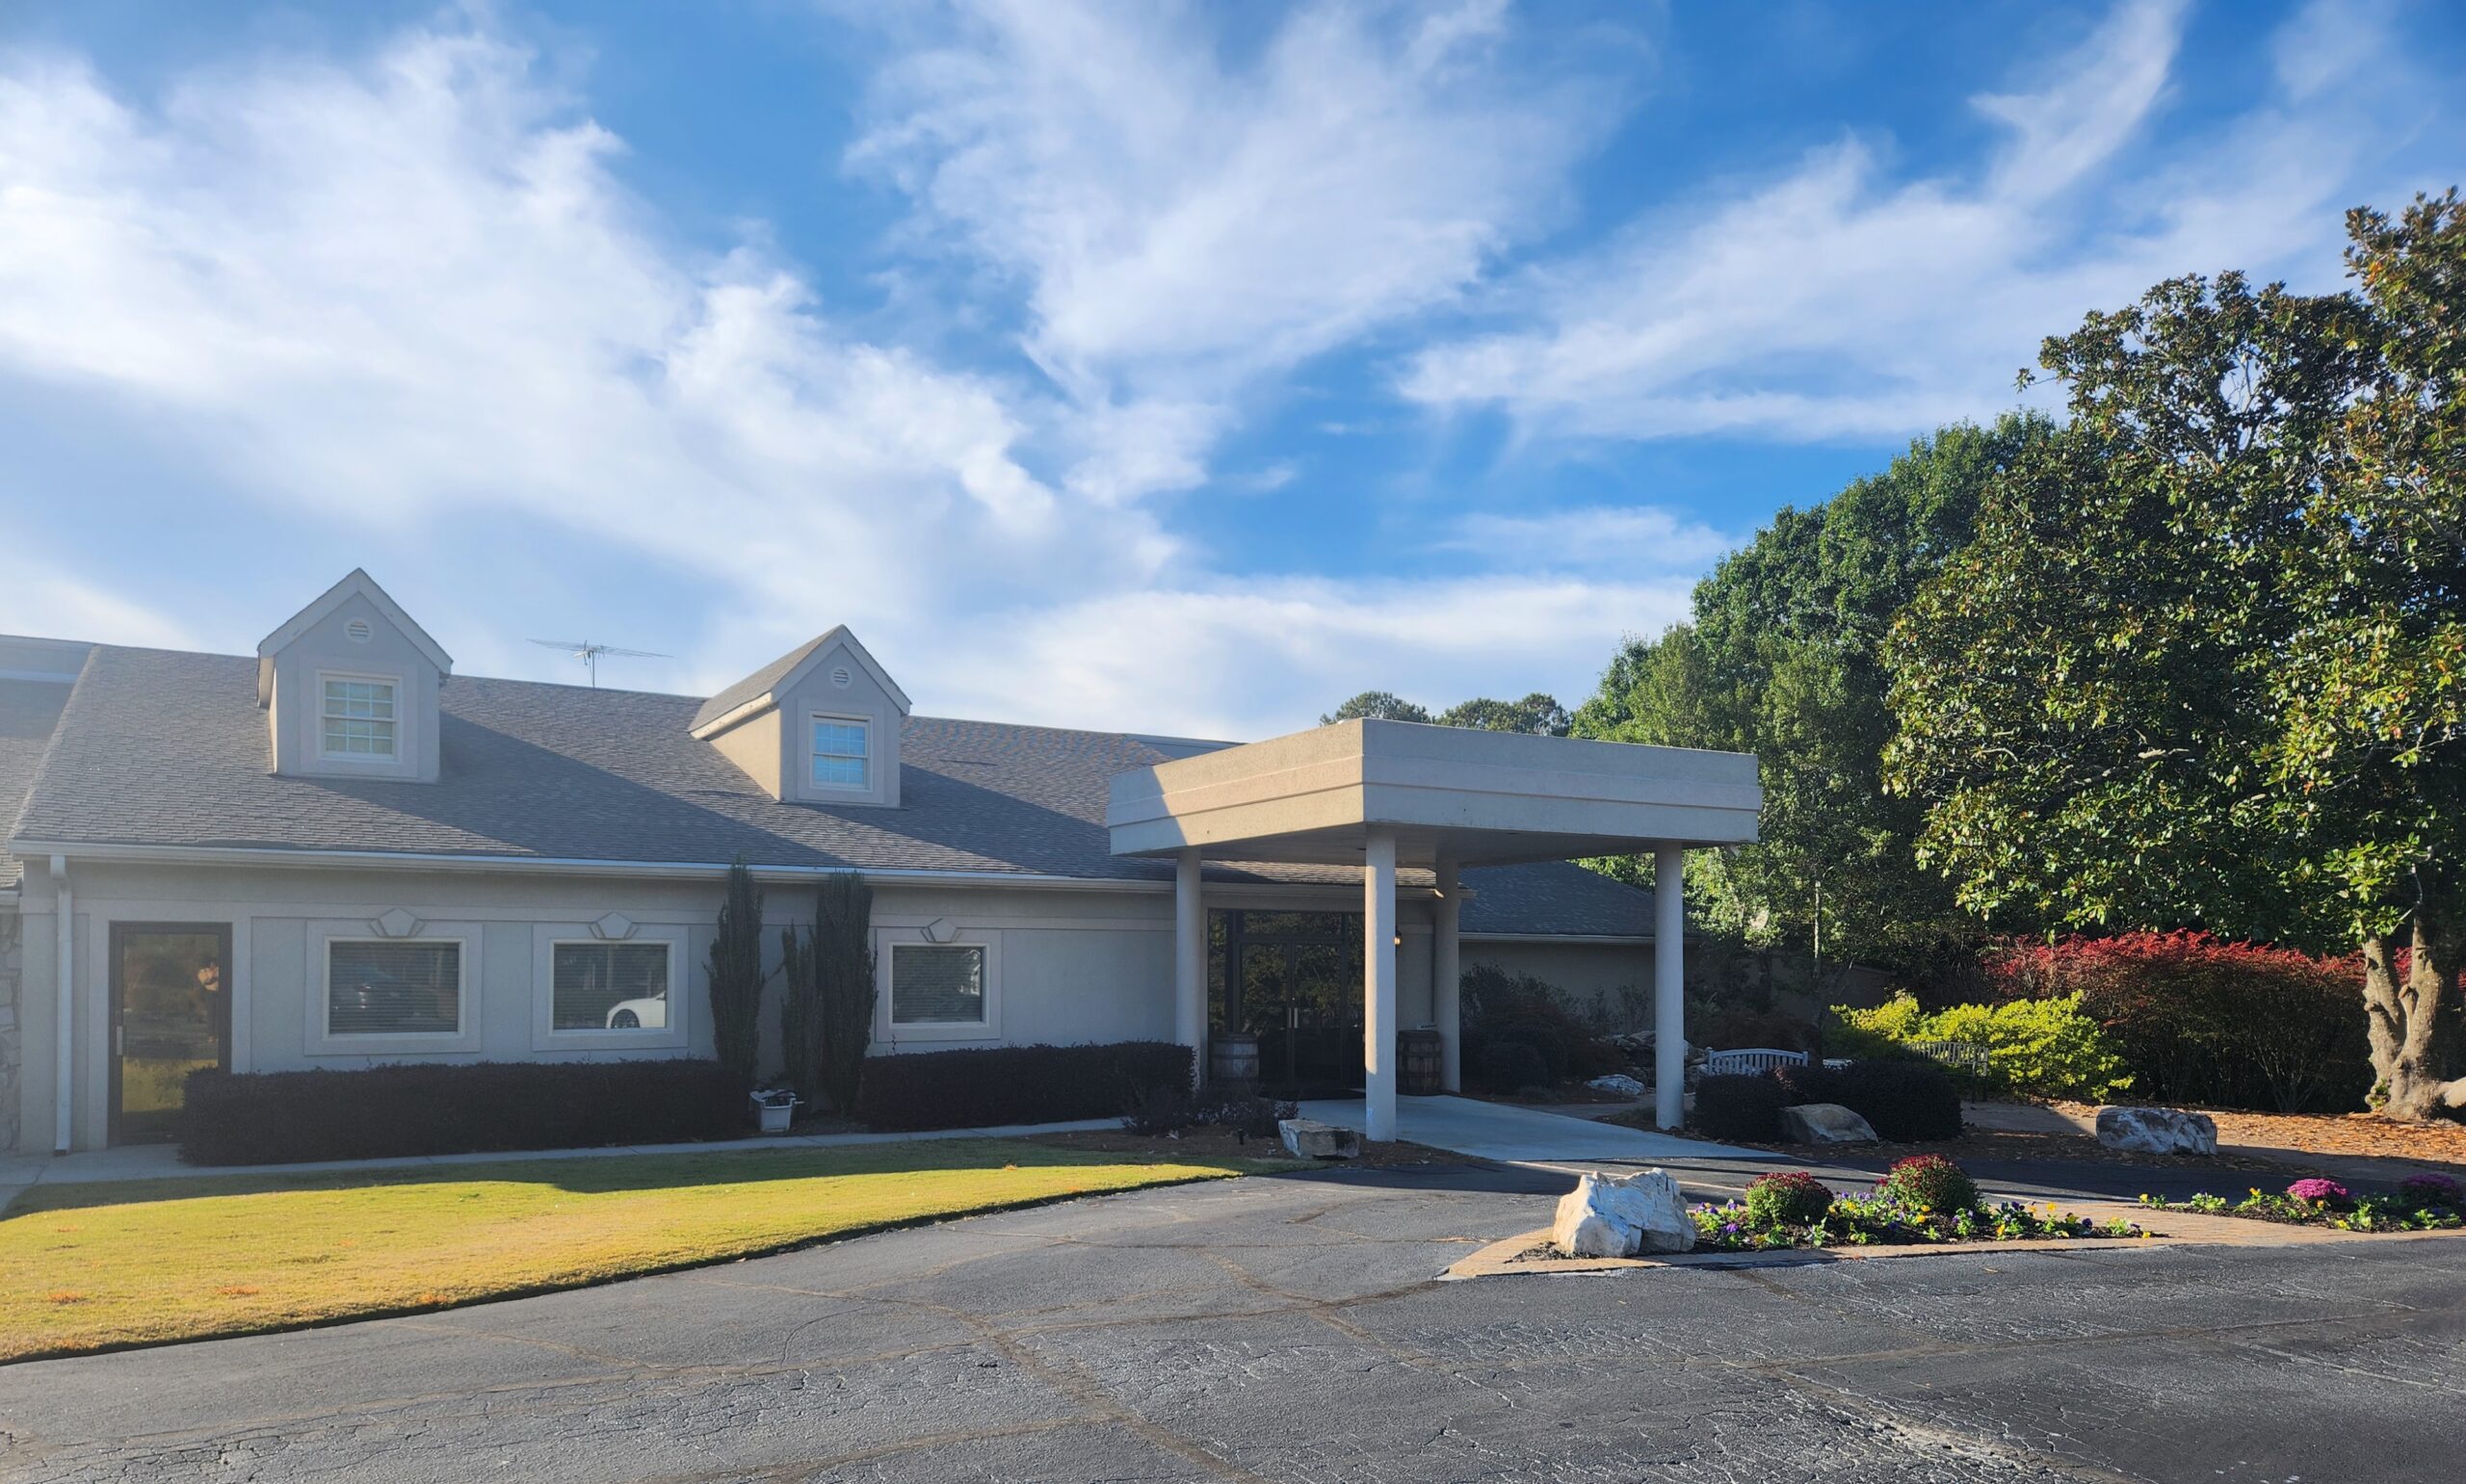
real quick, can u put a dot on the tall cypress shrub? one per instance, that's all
(799, 1015)
(736, 974)
(842, 957)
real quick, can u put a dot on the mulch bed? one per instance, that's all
(1996, 1144)
(1215, 1144)
(2364, 1135)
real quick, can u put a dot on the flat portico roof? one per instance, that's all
(1473, 797)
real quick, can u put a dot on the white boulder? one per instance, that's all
(1310, 1139)
(1824, 1123)
(1620, 1216)
(1618, 1083)
(2157, 1130)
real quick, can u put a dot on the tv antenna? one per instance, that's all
(588, 653)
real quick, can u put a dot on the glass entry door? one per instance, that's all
(1294, 980)
(170, 1015)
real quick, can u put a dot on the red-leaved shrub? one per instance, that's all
(2202, 1020)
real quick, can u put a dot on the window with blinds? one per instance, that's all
(607, 986)
(393, 988)
(936, 984)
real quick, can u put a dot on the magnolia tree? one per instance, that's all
(2204, 662)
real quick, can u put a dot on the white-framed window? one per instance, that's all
(842, 752)
(358, 717)
(393, 987)
(937, 983)
(623, 987)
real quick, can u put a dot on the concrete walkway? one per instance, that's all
(161, 1161)
(1523, 1136)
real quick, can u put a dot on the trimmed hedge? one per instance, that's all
(380, 1112)
(1904, 1099)
(1015, 1084)
(1742, 1105)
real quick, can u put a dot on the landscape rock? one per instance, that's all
(1618, 1083)
(1311, 1140)
(2157, 1130)
(1616, 1216)
(1824, 1123)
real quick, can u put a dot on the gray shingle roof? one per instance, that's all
(564, 773)
(28, 711)
(760, 681)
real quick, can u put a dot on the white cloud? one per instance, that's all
(1184, 225)
(390, 293)
(1836, 302)
(39, 597)
(385, 300)
(1242, 659)
(1626, 537)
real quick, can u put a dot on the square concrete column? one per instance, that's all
(1379, 983)
(1446, 978)
(1670, 985)
(1189, 962)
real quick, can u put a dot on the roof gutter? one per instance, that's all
(659, 871)
(563, 866)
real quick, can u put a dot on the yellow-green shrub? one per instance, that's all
(2041, 1048)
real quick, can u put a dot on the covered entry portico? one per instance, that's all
(1393, 795)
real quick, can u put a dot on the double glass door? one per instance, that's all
(170, 1015)
(1294, 980)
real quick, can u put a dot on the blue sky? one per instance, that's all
(1177, 369)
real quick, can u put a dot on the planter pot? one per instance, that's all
(1233, 1059)
(774, 1109)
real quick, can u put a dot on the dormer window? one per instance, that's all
(357, 718)
(842, 753)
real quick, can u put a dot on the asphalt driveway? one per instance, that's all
(1291, 1329)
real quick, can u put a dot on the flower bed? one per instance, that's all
(1927, 1199)
(2424, 1202)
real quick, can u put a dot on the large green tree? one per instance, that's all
(1376, 706)
(1783, 658)
(1538, 713)
(2202, 664)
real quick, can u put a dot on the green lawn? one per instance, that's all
(94, 1266)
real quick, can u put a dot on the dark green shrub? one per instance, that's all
(843, 972)
(1547, 1041)
(1245, 1115)
(1930, 1183)
(1739, 1108)
(1904, 1099)
(1811, 1083)
(1165, 1108)
(1012, 1085)
(1512, 1066)
(1499, 1007)
(1787, 1198)
(735, 976)
(1734, 1027)
(383, 1112)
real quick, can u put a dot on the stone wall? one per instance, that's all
(12, 964)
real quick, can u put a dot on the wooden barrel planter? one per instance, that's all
(1418, 1051)
(1233, 1060)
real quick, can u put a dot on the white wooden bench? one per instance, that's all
(1749, 1061)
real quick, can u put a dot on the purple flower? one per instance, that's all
(2316, 1189)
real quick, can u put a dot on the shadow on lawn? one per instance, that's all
(617, 1173)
